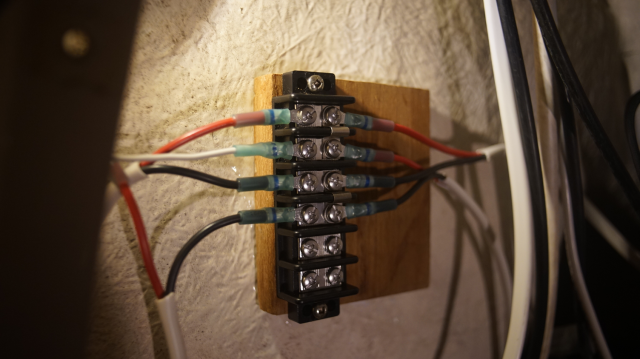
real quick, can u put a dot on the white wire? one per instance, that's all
(175, 156)
(611, 234)
(520, 196)
(134, 175)
(498, 252)
(578, 277)
(169, 319)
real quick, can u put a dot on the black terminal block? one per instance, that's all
(311, 263)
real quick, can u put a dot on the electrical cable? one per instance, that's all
(431, 143)
(191, 243)
(537, 323)
(405, 197)
(185, 172)
(630, 128)
(192, 135)
(521, 201)
(576, 236)
(150, 158)
(406, 161)
(611, 234)
(558, 54)
(440, 166)
(578, 277)
(138, 223)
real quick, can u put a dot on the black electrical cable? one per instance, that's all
(405, 197)
(538, 311)
(185, 172)
(433, 169)
(191, 243)
(560, 58)
(630, 128)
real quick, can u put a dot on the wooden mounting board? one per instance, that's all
(393, 247)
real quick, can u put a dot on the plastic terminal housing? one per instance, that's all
(266, 183)
(271, 150)
(368, 123)
(268, 215)
(366, 181)
(354, 210)
(367, 154)
(264, 117)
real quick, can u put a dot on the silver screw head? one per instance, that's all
(333, 148)
(309, 248)
(331, 115)
(310, 214)
(333, 181)
(306, 115)
(333, 245)
(320, 311)
(307, 149)
(315, 83)
(333, 214)
(308, 182)
(309, 280)
(335, 276)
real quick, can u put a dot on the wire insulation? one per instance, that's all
(406, 161)
(560, 58)
(433, 144)
(537, 323)
(191, 243)
(405, 197)
(440, 166)
(192, 135)
(138, 223)
(189, 173)
(152, 157)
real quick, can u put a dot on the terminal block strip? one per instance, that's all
(312, 262)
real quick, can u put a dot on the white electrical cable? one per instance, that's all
(491, 151)
(134, 175)
(500, 257)
(611, 234)
(578, 277)
(520, 195)
(175, 156)
(169, 318)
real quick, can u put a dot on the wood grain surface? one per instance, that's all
(393, 247)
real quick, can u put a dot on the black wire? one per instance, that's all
(185, 172)
(537, 323)
(417, 186)
(433, 169)
(193, 241)
(558, 54)
(630, 127)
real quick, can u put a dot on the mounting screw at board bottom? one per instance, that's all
(320, 311)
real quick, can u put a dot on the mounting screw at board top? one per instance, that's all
(307, 149)
(333, 245)
(308, 182)
(309, 280)
(310, 214)
(307, 115)
(333, 148)
(331, 115)
(315, 83)
(309, 248)
(333, 214)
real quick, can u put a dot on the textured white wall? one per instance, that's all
(194, 62)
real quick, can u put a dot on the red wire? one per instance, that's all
(406, 161)
(192, 135)
(143, 242)
(429, 142)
